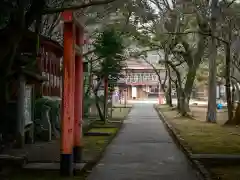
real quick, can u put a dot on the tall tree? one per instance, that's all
(109, 48)
(171, 28)
(211, 114)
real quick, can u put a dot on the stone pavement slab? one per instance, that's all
(143, 150)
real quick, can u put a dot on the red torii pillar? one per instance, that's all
(71, 130)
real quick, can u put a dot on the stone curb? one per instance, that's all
(218, 159)
(201, 171)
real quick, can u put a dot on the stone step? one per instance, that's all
(49, 166)
(12, 161)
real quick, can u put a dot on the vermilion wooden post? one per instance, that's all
(73, 85)
(78, 103)
(66, 164)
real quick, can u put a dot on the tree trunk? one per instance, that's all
(184, 103)
(97, 99)
(236, 118)
(163, 84)
(178, 101)
(100, 113)
(105, 103)
(237, 90)
(228, 83)
(169, 97)
(212, 113)
(90, 79)
(180, 92)
(178, 95)
(5, 68)
(186, 94)
(10, 37)
(233, 97)
(3, 105)
(169, 90)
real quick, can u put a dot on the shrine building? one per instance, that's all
(141, 80)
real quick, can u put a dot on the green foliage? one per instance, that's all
(5, 9)
(54, 114)
(111, 88)
(203, 71)
(53, 104)
(110, 49)
(108, 43)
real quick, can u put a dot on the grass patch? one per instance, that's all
(103, 130)
(202, 137)
(93, 145)
(226, 173)
(104, 125)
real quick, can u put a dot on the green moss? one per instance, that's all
(103, 130)
(94, 144)
(203, 137)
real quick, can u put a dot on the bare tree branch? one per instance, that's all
(88, 53)
(158, 74)
(198, 32)
(76, 7)
(229, 3)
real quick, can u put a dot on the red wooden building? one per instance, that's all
(141, 80)
(50, 67)
(46, 73)
(48, 64)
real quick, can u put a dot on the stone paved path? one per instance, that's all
(143, 150)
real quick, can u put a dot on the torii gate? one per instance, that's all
(71, 130)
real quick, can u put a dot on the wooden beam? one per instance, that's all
(67, 16)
